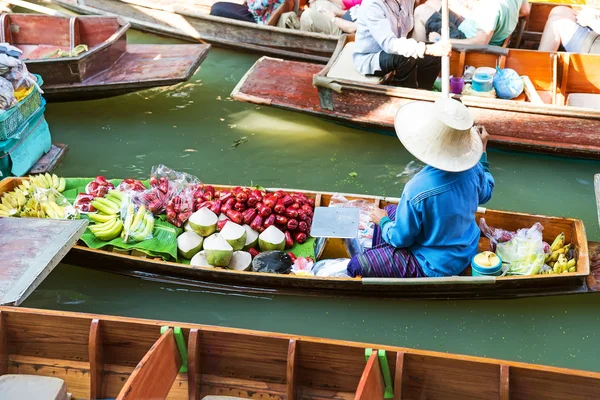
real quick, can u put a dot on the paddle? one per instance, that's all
(445, 59)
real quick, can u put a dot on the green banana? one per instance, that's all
(139, 236)
(102, 205)
(110, 203)
(49, 180)
(111, 233)
(55, 181)
(60, 211)
(62, 184)
(128, 221)
(100, 218)
(115, 193)
(49, 211)
(103, 227)
(139, 217)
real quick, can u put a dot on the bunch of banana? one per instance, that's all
(46, 209)
(47, 181)
(12, 203)
(137, 228)
(110, 204)
(561, 258)
(107, 230)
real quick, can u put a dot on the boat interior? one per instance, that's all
(60, 355)
(43, 37)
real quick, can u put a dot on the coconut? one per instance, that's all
(199, 260)
(234, 234)
(271, 239)
(189, 243)
(218, 252)
(203, 222)
(251, 238)
(274, 262)
(187, 227)
(241, 261)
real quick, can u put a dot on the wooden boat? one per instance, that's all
(96, 356)
(552, 116)
(190, 20)
(109, 67)
(586, 279)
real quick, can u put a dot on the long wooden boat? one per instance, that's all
(586, 279)
(109, 67)
(190, 20)
(95, 357)
(540, 120)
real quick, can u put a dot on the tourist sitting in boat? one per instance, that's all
(254, 11)
(432, 232)
(330, 16)
(382, 45)
(483, 22)
(577, 31)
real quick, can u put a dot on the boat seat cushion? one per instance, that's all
(32, 387)
(585, 100)
(343, 68)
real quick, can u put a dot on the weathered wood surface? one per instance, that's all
(252, 364)
(190, 20)
(597, 192)
(51, 160)
(30, 250)
(289, 85)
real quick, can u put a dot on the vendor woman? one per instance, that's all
(432, 232)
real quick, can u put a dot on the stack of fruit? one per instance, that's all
(138, 225)
(561, 257)
(21, 202)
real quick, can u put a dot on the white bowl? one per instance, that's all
(485, 70)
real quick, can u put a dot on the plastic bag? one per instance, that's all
(524, 252)
(165, 183)
(366, 228)
(337, 268)
(507, 83)
(181, 206)
(130, 184)
(20, 78)
(7, 95)
(138, 222)
(303, 266)
(496, 235)
(49, 203)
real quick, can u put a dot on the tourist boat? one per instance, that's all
(109, 67)
(585, 279)
(191, 20)
(558, 113)
(56, 355)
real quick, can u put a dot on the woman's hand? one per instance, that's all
(377, 214)
(439, 49)
(480, 129)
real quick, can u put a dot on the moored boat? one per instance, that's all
(97, 356)
(191, 20)
(106, 66)
(555, 114)
(585, 279)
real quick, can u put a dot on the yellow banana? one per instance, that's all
(558, 242)
(60, 211)
(572, 269)
(55, 181)
(571, 263)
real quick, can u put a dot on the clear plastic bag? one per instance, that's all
(336, 268)
(181, 206)
(524, 252)
(49, 203)
(7, 95)
(303, 266)
(508, 84)
(20, 78)
(366, 228)
(165, 183)
(496, 235)
(138, 222)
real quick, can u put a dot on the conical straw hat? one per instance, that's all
(439, 134)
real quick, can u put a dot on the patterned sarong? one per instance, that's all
(384, 260)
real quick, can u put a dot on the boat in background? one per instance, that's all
(96, 356)
(108, 68)
(585, 279)
(190, 20)
(558, 113)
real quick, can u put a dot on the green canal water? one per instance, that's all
(195, 127)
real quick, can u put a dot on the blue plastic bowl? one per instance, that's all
(478, 270)
(482, 83)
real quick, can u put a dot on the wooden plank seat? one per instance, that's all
(13, 386)
(343, 68)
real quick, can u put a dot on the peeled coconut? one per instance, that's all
(218, 252)
(271, 239)
(234, 234)
(203, 222)
(241, 261)
(187, 227)
(189, 243)
(199, 260)
(251, 238)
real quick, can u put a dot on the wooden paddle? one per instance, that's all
(445, 59)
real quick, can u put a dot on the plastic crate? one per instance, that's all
(11, 120)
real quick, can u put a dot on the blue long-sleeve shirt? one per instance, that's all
(435, 218)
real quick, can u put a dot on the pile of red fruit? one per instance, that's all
(291, 213)
(83, 202)
(181, 207)
(130, 184)
(157, 198)
(99, 187)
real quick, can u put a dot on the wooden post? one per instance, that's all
(504, 382)
(3, 344)
(445, 59)
(371, 386)
(291, 370)
(398, 375)
(194, 366)
(96, 360)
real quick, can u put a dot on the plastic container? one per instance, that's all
(479, 270)
(11, 120)
(482, 83)
(486, 71)
(456, 84)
